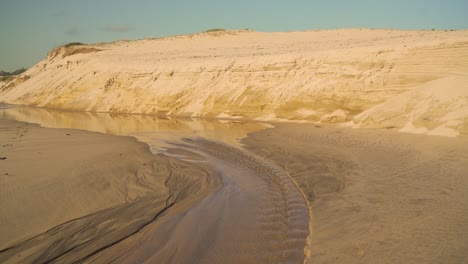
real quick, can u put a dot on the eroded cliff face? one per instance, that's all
(415, 80)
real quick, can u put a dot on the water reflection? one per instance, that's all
(150, 129)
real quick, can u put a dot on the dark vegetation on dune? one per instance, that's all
(215, 30)
(5, 76)
(71, 44)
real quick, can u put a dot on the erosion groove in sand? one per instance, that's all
(289, 207)
(351, 76)
(78, 239)
(282, 221)
(257, 216)
(152, 185)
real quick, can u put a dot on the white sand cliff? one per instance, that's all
(416, 81)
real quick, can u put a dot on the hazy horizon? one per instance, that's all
(31, 28)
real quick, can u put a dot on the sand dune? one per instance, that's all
(438, 107)
(376, 196)
(356, 76)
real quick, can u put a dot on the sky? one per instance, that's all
(31, 28)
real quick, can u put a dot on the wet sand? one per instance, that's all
(376, 196)
(53, 176)
(68, 194)
(257, 216)
(203, 201)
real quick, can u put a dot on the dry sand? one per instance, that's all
(413, 80)
(376, 196)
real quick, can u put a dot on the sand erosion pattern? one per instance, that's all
(257, 215)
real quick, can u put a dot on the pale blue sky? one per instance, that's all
(30, 28)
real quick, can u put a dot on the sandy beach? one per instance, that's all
(237, 146)
(373, 196)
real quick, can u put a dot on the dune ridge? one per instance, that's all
(350, 76)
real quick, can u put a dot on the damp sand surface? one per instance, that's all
(191, 200)
(226, 192)
(377, 196)
(68, 194)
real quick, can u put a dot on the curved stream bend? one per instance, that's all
(256, 216)
(280, 214)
